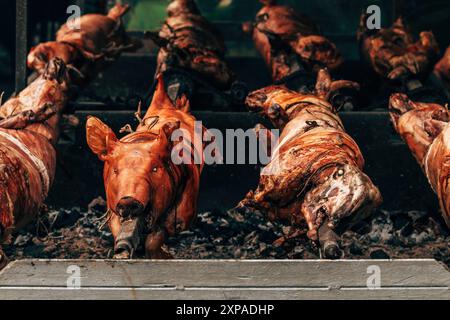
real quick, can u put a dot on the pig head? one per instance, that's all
(148, 195)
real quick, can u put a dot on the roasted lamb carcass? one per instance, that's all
(290, 42)
(442, 68)
(315, 175)
(149, 196)
(190, 42)
(426, 130)
(392, 52)
(100, 39)
(28, 134)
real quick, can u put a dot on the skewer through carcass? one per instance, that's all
(87, 48)
(393, 54)
(290, 42)
(29, 122)
(426, 130)
(192, 49)
(315, 174)
(29, 130)
(149, 195)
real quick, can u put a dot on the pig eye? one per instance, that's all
(154, 169)
(116, 171)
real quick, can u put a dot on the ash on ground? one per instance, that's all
(72, 233)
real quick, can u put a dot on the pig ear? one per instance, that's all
(160, 98)
(166, 131)
(100, 138)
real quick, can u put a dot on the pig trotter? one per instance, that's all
(27, 117)
(128, 238)
(328, 240)
(153, 245)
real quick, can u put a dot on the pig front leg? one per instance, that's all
(153, 245)
(181, 217)
(178, 219)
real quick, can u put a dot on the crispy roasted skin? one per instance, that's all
(425, 129)
(100, 39)
(315, 173)
(289, 41)
(187, 40)
(28, 134)
(442, 68)
(139, 167)
(392, 52)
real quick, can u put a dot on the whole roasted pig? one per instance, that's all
(425, 129)
(190, 42)
(29, 130)
(315, 175)
(442, 68)
(98, 40)
(290, 42)
(149, 195)
(394, 54)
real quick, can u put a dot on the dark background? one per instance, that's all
(337, 18)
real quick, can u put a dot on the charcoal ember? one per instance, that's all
(438, 228)
(65, 218)
(401, 220)
(362, 227)
(242, 236)
(422, 237)
(97, 205)
(22, 240)
(379, 254)
(355, 249)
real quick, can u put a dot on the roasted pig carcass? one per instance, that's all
(442, 68)
(150, 194)
(315, 176)
(190, 42)
(290, 42)
(392, 52)
(28, 134)
(98, 40)
(426, 130)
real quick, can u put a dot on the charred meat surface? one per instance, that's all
(442, 68)
(148, 195)
(188, 41)
(315, 175)
(393, 52)
(425, 129)
(97, 39)
(29, 130)
(290, 42)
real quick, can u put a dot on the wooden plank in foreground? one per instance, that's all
(224, 279)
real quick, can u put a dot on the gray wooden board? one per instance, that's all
(225, 279)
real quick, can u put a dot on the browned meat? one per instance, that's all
(187, 40)
(315, 174)
(392, 52)
(100, 39)
(141, 179)
(425, 129)
(28, 134)
(289, 41)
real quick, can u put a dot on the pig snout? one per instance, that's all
(129, 207)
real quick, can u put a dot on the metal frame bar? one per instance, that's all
(21, 44)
